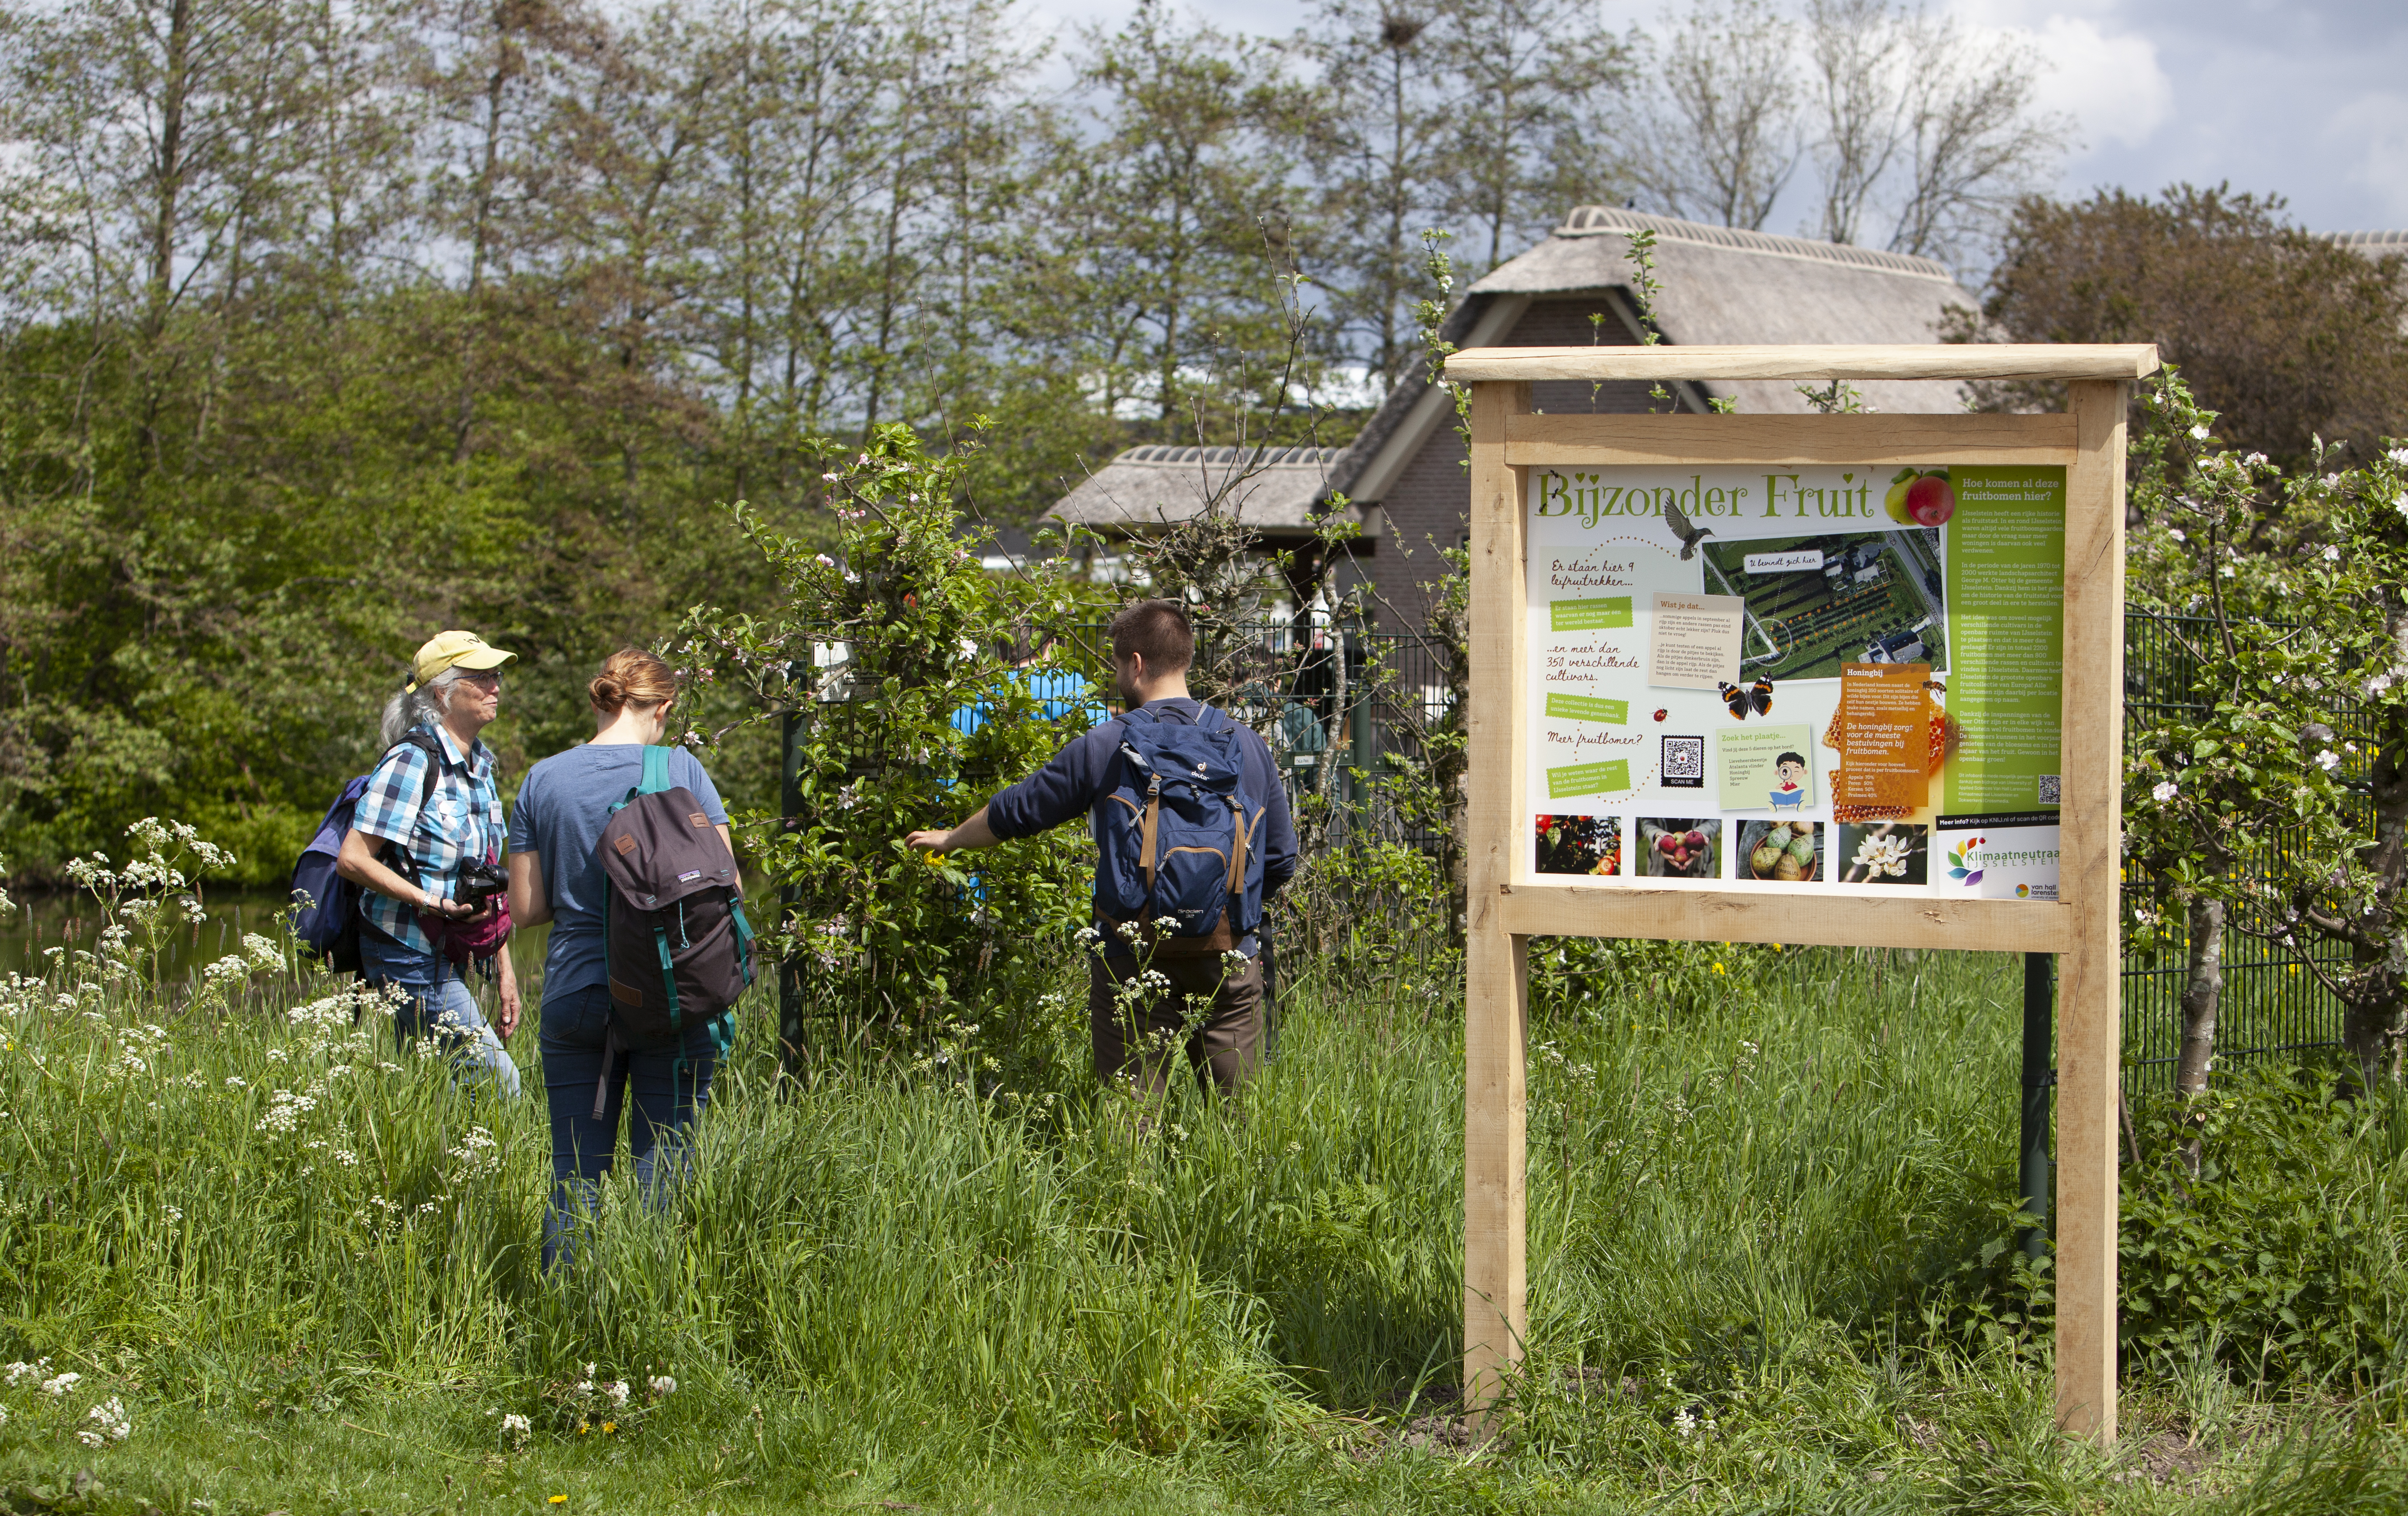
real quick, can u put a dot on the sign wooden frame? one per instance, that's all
(1510, 902)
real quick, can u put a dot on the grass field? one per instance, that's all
(305, 1267)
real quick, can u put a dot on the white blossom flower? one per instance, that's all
(2332, 555)
(2329, 760)
(2176, 533)
(2163, 791)
(1882, 856)
(2399, 455)
(2198, 433)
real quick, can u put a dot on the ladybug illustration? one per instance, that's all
(1660, 714)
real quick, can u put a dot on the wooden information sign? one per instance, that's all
(1854, 680)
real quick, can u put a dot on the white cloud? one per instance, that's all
(2109, 81)
(2369, 136)
(2108, 77)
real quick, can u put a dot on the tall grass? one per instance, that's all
(1748, 1168)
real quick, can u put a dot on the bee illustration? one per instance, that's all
(1758, 700)
(1661, 713)
(1935, 684)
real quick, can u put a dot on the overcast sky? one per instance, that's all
(2304, 98)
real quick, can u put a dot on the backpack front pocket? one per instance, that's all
(1199, 876)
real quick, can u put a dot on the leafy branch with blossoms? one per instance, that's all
(2244, 811)
(876, 651)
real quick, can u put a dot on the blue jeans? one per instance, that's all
(438, 1006)
(667, 1100)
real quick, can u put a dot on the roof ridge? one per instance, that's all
(2367, 240)
(1597, 220)
(1160, 452)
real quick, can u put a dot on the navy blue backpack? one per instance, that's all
(1179, 837)
(327, 913)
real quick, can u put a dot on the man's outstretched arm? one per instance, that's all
(974, 832)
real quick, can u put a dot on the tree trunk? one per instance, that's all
(2203, 995)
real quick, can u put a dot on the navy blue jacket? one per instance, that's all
(1078, 778)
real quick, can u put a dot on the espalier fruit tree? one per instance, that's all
(2246, 812)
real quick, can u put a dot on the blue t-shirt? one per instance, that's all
(559, 815)
(1060, 693)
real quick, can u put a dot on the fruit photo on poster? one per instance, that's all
(1786, 853)
(1579, 845)
(1814, 603)
(1681, 847)
(1885, 853)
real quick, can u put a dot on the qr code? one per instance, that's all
(1685, 763)
(2048, 790)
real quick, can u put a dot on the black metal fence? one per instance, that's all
(2270, 1005)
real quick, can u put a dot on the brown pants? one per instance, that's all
(1218, 1015)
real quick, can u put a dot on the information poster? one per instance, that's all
(1810, 678)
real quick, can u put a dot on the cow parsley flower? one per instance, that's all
(57, 1388)
(110, 1425)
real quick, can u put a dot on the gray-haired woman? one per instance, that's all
(431, 814)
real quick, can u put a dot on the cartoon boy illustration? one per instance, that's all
(1791, 795)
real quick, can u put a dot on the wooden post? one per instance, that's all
(2089, 994)
(1495, 962)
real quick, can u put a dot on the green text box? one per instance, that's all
(1588, 779)
(1588, 615)
(1582, 708)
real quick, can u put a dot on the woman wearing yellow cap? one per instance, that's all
(425, 847)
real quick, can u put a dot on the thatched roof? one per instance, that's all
(1273, 493)
(1717, 284)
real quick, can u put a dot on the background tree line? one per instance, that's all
(325, 323)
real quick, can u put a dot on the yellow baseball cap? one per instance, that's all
(454, 650)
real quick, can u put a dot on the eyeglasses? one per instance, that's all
(486, 679)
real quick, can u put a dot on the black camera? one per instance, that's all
(479, 881)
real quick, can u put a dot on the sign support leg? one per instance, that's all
(2089, 1002)
(2040, 1072)
(1495, 1158)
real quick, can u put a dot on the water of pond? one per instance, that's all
(70, 921)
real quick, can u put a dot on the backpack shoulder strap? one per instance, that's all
(1138, 716)
(656, 771)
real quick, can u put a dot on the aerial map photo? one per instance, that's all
(1871, 598)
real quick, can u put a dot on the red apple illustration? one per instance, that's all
(1931, 500)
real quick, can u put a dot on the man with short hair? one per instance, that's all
(1134, 1023)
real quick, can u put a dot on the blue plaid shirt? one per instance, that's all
(462, 819)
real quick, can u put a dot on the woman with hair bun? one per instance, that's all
(556, 825)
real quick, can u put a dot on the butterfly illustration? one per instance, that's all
(1758, 700)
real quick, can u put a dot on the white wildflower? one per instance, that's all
(110, 1425)
(662, 1385)
(515, 1431)
(55, 1388)
(618, 1390)
(19, 1372)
